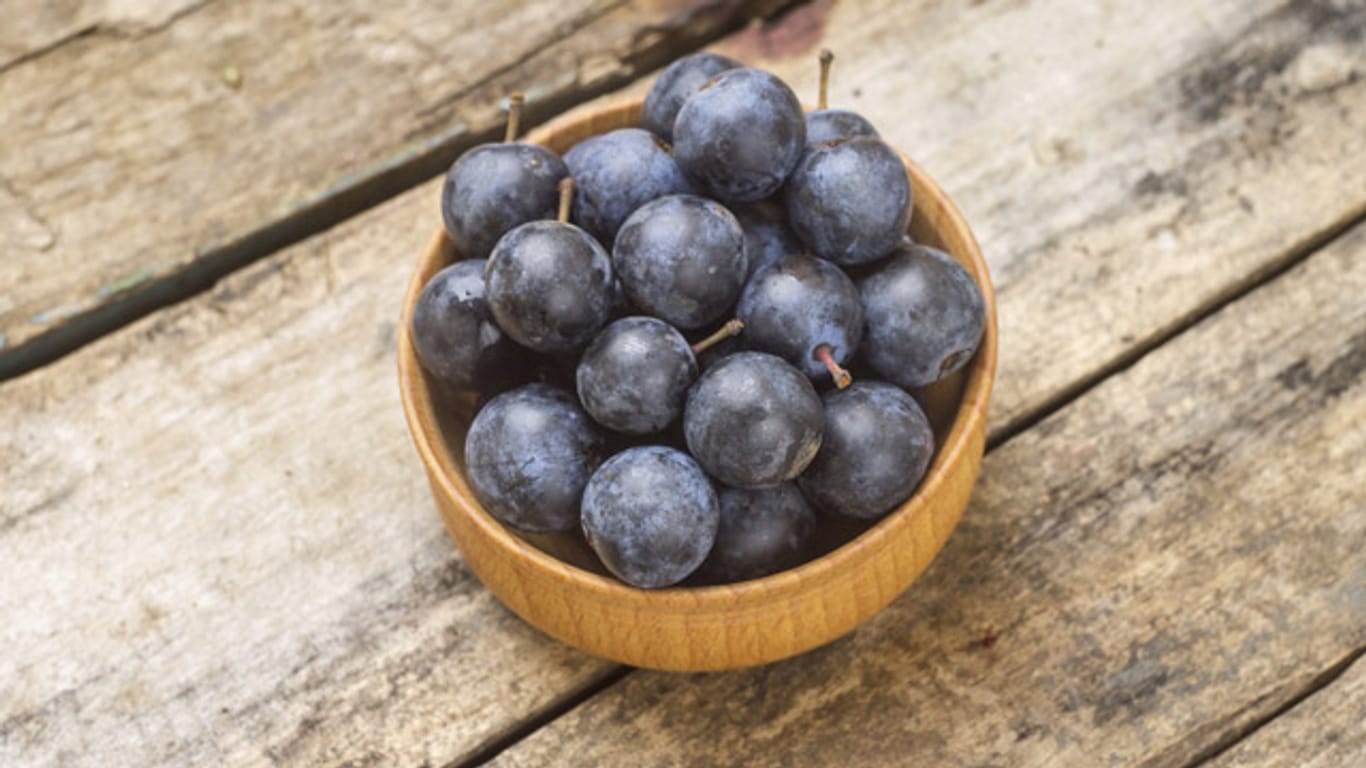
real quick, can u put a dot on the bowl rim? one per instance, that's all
(442, 469)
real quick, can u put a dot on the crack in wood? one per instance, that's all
(371, 188)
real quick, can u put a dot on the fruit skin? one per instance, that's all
(455, 336)
(616, 173)
(761, 532)
(549, 285)
(681, 258)
(849, 201)
(877, 446)
(493, 188)
(753, 421)
(679, 81)
(923, 315)
(651, 516)
(740, 136)
(528, 455)
(797, 304)
(767, 234)
(634, 376)
(831, 124)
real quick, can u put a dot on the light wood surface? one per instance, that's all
(720, 627)
(219, 547)
(1159, 564)
(33, 29)
(1324, 731)
(239, 462)
(145, 156)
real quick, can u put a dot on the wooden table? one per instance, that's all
(216, 543)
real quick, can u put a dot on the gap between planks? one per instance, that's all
(1002, 435)
(1293, 257)
(388, 181)
(1318, 683)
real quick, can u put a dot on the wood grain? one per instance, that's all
(240, 460)
(219, 547)
(33, 29)
(1323, 731)
(151, 163)
(1168, 558)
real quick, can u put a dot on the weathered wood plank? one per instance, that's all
(154, 163)
(1325, 730)
(34, 28)
(265, 372)
(1168, 558)
(219, 548)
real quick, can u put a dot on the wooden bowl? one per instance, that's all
(555, 584)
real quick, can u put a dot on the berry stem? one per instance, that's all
(566, 198)
(731, 328)
(826, 58)
(515, 100)
(841, 376)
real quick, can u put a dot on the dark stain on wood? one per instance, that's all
(1340, 375)
(1241, 73)
(1153, 184)
(1133, 690)
(795, 33)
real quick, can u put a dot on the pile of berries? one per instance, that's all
(658, 325)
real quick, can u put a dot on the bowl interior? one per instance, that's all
(949, 404)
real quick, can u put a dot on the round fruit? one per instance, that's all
(924, 316)
(634, 376)
(681, 258)
(753, 421)
(741, 135)
(675, 85)
(528, 455)
(829, 124)
(767, 235)
(455, 336)
(651, 516)
(761, 532)
(495, 187)
(877, 446)
(850, 200)
(617, 172)
(806, 311)
(549, 284)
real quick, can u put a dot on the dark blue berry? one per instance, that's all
(825, 125)
(618, 172)
(679, 81)
(767, 234)
(549, 285)
(635, 375)
(799, 304)
(923, 316)
(849, 201)
(455, 336)
(493, 188)
(528, 454)
(830, 124)
(651, 515)
(876, 448)
(740, 136)
(753, 421)
(761, 532)
(681, 258)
